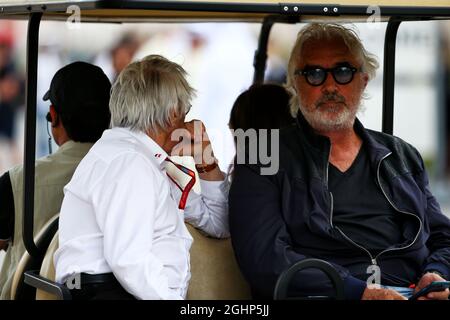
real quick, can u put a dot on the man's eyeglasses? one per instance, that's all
(316, 76)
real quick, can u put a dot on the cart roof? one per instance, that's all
(224, 10)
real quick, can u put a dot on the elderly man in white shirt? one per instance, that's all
(121, 227)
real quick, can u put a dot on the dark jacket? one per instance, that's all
(280, 219)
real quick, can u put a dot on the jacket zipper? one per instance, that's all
(374, 259)
(392, 204)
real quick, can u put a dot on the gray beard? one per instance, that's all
(344, 120)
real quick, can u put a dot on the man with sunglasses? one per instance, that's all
(78, 115)
(356, 198)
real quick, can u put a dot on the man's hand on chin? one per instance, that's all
(196, 143)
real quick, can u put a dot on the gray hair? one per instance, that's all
(327, 31)
(147, 92)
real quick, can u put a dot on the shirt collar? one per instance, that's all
(155, 151)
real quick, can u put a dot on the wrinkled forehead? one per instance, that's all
(325, 53)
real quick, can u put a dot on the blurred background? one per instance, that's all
(219, 60)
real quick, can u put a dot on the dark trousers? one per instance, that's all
(100, 287)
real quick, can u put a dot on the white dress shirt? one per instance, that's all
(120, 214)
(207, 211)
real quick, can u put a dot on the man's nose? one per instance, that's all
(330, 84)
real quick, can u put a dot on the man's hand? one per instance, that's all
(381, 294)
(4, 244)
(195, 142)
(426, 279)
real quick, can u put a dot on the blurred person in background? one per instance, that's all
(114, 60)
(11, 99)
(262, 106)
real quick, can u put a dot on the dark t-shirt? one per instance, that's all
(361, 210)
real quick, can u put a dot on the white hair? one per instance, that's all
(328, 31)
(147, 92)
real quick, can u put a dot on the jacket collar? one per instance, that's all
(72, 147)
(376, 150)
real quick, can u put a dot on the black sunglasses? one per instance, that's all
(316, 76)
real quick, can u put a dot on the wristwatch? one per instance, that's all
(207, 168)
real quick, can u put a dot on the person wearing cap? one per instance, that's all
(79, 113)
(122, 228)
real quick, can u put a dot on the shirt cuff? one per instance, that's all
(354, 288)
(440, 268)
(215, 190)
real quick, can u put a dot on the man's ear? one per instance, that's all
(175, 117)
(365, 78)
(54, 115)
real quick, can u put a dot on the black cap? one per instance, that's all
(78, 85)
